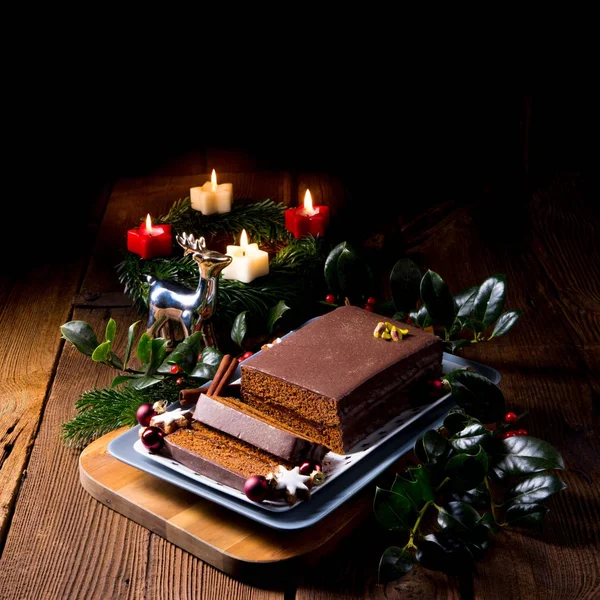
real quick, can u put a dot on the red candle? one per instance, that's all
(307, 219)
(150, 241)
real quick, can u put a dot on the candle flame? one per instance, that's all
(149, 224)
(243, 238)
(308, 204)
(213, 180)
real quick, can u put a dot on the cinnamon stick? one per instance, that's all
(225, 379)
(190, 396)
(221, 370)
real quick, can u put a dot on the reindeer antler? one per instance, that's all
(189, 243)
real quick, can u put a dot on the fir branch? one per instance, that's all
(263, 221)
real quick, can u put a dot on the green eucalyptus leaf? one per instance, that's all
(240, 328)
(102, 352)
(523, 455)
(111, 329)
(81, 335)
(469, 437)
(478, 497)
(444, 551)
(465, 301)
(405, 284)
(158, 353)
(144, 382)
(330, 268)
(489, 301)
(420, 318)
(415, 485)
(505, 323)
(394, 564)
(144, 348)
(525, 515)
(354, 274)
(186, 353)
(130, 338)
(534, 488)
(274, 314)
(437, 299)
(477, 395)
(467, 470)
(431, 447)
(393, 511)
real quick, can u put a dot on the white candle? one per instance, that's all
(249, 262)
(212, 198)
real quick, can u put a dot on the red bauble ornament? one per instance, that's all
(371, 300)
(175, 369)
(308, 466)
(510, 417)
(330, 298)
(144, 413)
(256, 488)
(522, 432)
(153, 438)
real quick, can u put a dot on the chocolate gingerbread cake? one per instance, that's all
(336, 382)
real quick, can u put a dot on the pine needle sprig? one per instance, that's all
(263, 221)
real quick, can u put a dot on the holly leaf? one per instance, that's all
(458, 516)
(444, 551)
(208, 364)
(525, 515)
(144, 348)
(437, 299)
(354, 274)
(453, 345)
(102, 352)
(393, 511)
(405, 284)
(431, 447)
(274, 314)
(489, 301)
(420, 318)
(330, 268)
(239, 328)
(505, 323)
(534, 488)
(456, 420)
(523, 455)
(119, 379)
(478, 497)
(394, 563)
(157, 356)
(469, 437)
(140, 383)
(415, 485)
(465, 301)
(186, 353)
(477, 395)
(81, 335)
(467, 470)
(130, 338)
(111, 329)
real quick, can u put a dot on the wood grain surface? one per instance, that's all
(60, 542)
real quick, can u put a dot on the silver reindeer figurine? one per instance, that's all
(172, 302)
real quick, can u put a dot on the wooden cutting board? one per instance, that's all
(230, 542)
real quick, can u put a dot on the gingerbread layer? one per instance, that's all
(245, 423)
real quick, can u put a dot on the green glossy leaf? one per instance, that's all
(452, 346)
(465, 301)
(469, 437)
(459, 516)
(477, 395)
(239, 328)
(534, 488)
(431, 447)
(405, 284)
(456, 420)
(115, 361)
(111, 329)
(523, 455)
(489, 301)
(420, 318)
(467, 470)
(444, 551)
(478, 497)
(437, 299)
(186, 353)
(209, 363)
(119, 379)
(414, 485)
(130, 339)
(395, 563)
(506, 322)
(81, 335)
(330, 268)
(525, 515)
(393, 511)
(144, 348)
(354, 274)
(473, 324)
(274, 314)
(487, 519)
(144, 382)
(158, 353)
(102, 352)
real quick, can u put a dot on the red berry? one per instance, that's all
(509, 434)
(369, 307)
(175, 369)
(199, 357)
(510, 417)
(256, 488)
(522, 432)
(330, 298)
(239, 359)
(144, 413)
(246, 355)
(308, 466)
(153, 438)
(371, 300)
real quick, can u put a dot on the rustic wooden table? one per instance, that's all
(59, 542)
